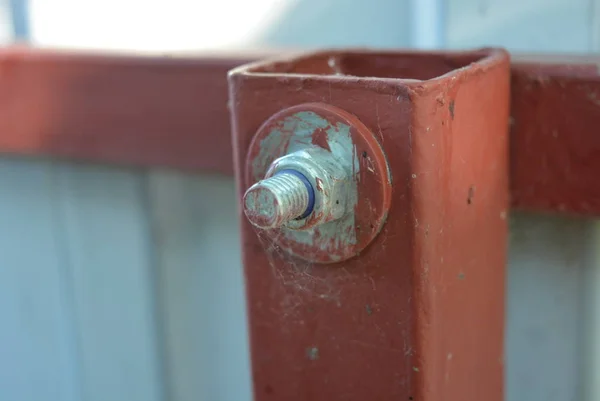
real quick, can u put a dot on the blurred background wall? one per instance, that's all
(126, 284)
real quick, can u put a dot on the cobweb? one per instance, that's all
(302, 282)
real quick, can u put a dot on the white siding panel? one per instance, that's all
(201, 287)
(110, 267)
(6, 26)
(544, 317)
(37, 349)
(523, 25)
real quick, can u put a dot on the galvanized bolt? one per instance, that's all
(300, 190)
(274, 201)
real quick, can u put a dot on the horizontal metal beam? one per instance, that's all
(171, 111)
(555, 135)
(128, 110)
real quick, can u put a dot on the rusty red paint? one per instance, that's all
(555, 145)
(418, 314)
(129, 110)
(320, 184)
(319, 138)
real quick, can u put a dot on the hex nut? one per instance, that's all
(329, 179)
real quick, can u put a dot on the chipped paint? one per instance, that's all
(264, 205)
(325, 144)
(312, 353)
(334, 138)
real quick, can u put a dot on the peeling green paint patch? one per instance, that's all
(368, 309)
(415, 369)
(294, 133)
(329, 234)
(461, 276)
(269, 146)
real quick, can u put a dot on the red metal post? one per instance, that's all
(418, 314)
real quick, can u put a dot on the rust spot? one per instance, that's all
(451, 109)
(471, 195)
(319, 138)
(319, 184)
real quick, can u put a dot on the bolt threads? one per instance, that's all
(276, 200)
(292, 193)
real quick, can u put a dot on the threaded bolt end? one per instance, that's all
(274, 201)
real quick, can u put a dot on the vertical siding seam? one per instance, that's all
(589, 349)
(7, 33)
(442, 21)
(154, 264)
(20, 15)
(73, 341)
(595, 26)
(428, 23)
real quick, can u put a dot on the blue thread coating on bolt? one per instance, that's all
(311, 192)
